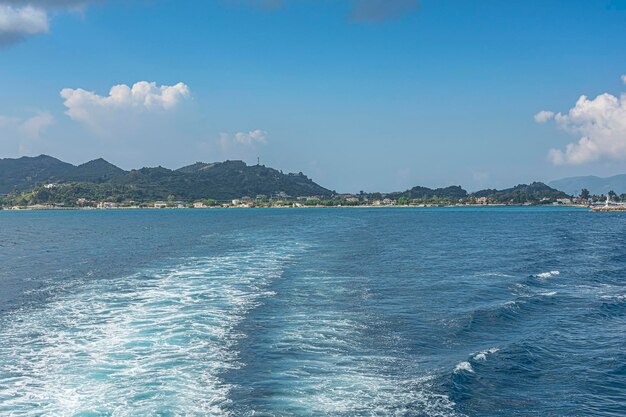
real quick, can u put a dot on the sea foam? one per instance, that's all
(481, 356)
(549, 274)
(463, 367)
(153, 343)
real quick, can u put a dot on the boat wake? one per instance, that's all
(152, 343)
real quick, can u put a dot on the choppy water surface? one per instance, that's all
(343, 312)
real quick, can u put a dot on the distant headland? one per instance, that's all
(45, 182)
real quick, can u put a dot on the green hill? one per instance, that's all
(100, 179)
(97, 171)
(26, 172)
(522, 193)
(453, 192)
(220, 181)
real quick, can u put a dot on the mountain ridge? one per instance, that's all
(519, 194)
(231, 179)
(218, 180)
(26, 171)
(596, 185)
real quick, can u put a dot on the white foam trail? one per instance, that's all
(549, 274)
(331, 366)
(150, 344)
(497, 274)
(548, 293)
(614, 297)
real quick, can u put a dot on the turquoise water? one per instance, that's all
(406, 312)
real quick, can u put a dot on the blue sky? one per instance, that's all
(360, 95)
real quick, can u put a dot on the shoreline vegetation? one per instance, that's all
(46, 183)
(599, 203)
(53, 208)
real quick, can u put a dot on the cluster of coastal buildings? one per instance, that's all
(282, 200)
(279, 199)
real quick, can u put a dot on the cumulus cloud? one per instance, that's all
(90, 108)
(52, 3)
(624, 79)
(381, 10)
(17, 22)
(252, 137)
(600, 124)
(22, 18)
(543, 116)
(255, 137)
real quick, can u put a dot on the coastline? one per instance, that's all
(577, 206)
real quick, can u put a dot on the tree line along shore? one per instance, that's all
(32, 201)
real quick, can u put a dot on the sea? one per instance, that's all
(499, 311)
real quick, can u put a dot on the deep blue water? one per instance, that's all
(342, 312)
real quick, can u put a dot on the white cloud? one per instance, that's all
(52, 3)
(543, 116)
(624, 79)
(91, 108)
(22, 18)
(33, 126)
(21, 133)
(249, 138)
(601, 125)
(17, 22)
(229, 143)
(30, 127)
